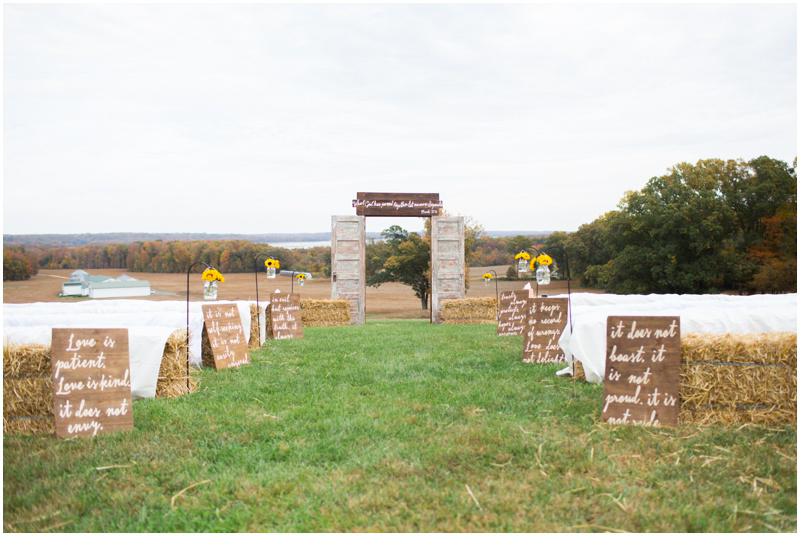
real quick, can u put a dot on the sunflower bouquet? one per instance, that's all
(272, 265)
(210, 275)
(211, 278)
(522, 255)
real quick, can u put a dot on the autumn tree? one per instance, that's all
(403, 257)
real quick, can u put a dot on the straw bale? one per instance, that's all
(766, 348)
(172, 373)
(738, 378)
(29, 425)
(254, 341)
(27, 396)
(579, 372)
(207, 355)
(325, 312)
(469, 311)
(25, 360)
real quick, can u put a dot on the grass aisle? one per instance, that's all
(398, 426)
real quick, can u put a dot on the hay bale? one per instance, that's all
(29, 425)
(28, 385)
(172, 373)
(578, 369)
(738, 378)
(27, 389)
(29, 396)
(469, 311)
(20, 360)
(206, 354)
(254, 341)
(324, 312)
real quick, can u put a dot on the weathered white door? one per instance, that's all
(348, 268)
(447, 261)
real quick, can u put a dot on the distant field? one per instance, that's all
(390, 300)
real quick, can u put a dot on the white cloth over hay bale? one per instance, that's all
(168, 315)
(713, 313)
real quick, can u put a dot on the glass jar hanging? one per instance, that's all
(210, 290)
(272, 265)
(543, 271)
(301, 279)
(523, 257)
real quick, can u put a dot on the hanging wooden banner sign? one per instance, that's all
(547, 318)
(389, 204)
(91, 381)
(285, 313)
(642, 370)
(512, 312)
(226, 335)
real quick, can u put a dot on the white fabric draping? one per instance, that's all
(149, 324)
(699, 314)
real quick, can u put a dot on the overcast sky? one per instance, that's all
(260, 118)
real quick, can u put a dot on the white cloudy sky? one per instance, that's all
(258, 118)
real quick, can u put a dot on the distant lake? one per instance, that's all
(301, 245)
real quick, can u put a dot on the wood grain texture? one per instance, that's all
(546, 320)
(642, 370)
(91, 381)
(286, 316)
(397, 204)
(512, 312)
(226, 336)
(447, 262)
(348, 264)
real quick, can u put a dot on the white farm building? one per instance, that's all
(101, 286)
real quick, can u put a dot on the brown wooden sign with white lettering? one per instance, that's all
(287, 322)
(226, 336)
(512, 313)
(389, 204)
(643, 370)
(91, 381)
(547, 318)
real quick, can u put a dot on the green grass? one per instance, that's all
(398, 426)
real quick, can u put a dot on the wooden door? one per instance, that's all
(348, 268)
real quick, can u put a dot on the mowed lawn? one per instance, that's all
(398, 425)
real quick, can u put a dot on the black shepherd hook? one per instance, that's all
(187, 316)
(255, 271)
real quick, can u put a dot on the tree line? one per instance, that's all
(714, 226)
(228, 256)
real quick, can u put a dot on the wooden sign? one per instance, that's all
(226, 336)
(386, 204)
(642, 370)
(547, 318)
(91, 381)
(287, 322)
(512, 312)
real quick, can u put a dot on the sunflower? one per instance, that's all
(487, 276)
(544, 259)
(522, 255)
(272, 263)
(210, 274)
(301, 276)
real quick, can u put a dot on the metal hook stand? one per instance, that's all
(255, 272)
(187, 316)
